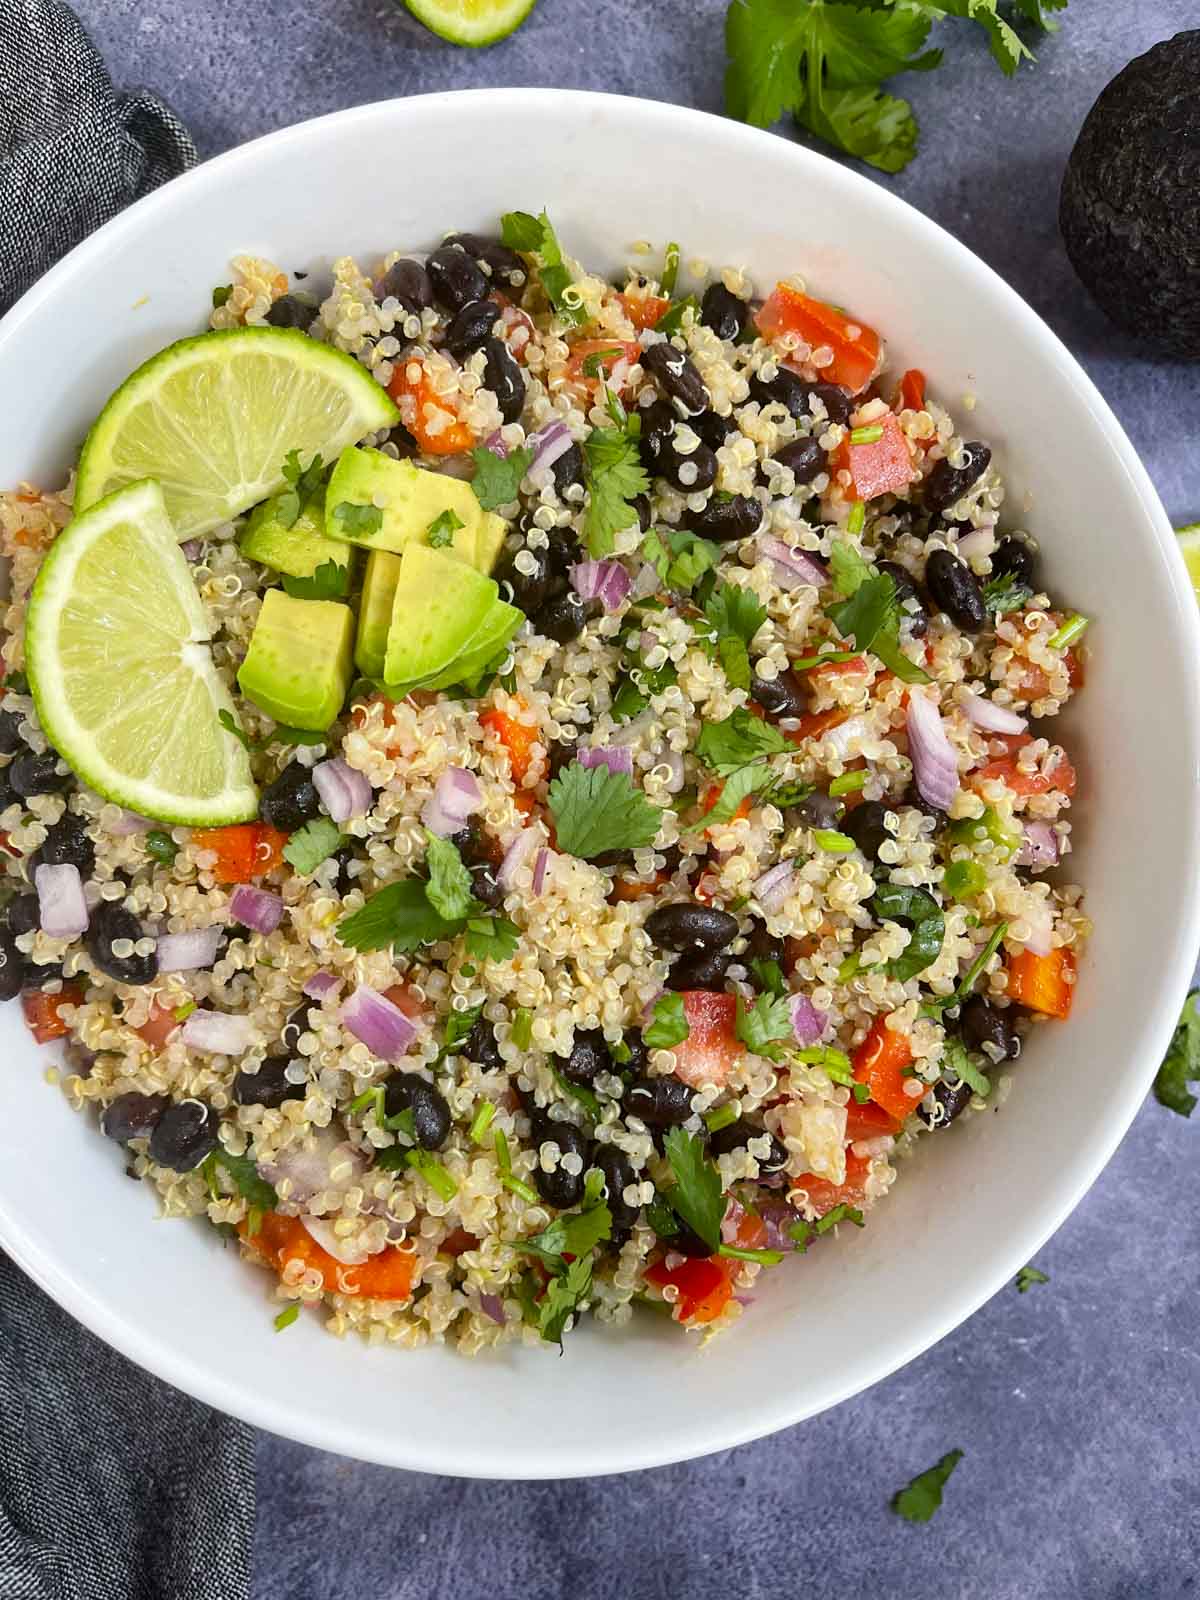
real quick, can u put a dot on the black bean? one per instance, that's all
(507, 267)
(485, 887)
(299, 1021)
(690, 474)
(712, 429)
(68, 843)
(916, 617)
(659, 1102)
(818, 810)
(739, 1134)
(589, 1055)
(110, 923)
(723, 311)
(946, 484)
(481, 1047)
(866, 826)
(685, 1241)
(563, 618)
(291, 799)
(618, 1173)
(408, 1091)
(184, 1134)
(639, 1056)
(560, 1188)
(564, 552)
(955, 590)
(22, 913)
(10, 733)
(782, 696)
(568, 470)
(658, 429)
(406, 445)
(792, 392)
(1013, 559)
(12, 966)
(456, 279)
(290, 311)
(345, 880)
(641, 504)
(804, 458)
(914, 798)
(530, 590)
(702, 969)
(725, 520)
(132, 1116)
(950, 1099)
(837, 402)
(29, 775)
(469, 327)
(677, 375)
(763, 946)
(269, 1086)
(502, 375)
(562, 755)
(408, 282)
(7, 793)
(686, 925)
(982, 1023)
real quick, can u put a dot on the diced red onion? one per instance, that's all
(258, 909)
(778, 1217)
(745, 1299)
(193, 549)
(376, 1022)
(616, 757)
(496, 445)
(1039, 847)
(548, 445)
(492, 1306)
(773, 888)
(186, 952)
(734, 1212)
(935, 766)
(808, 1024)
(340, 1249)
(648, 1008)
(516, 855)
(986, 714)
(606, 581)
(455, 796)
(541, 860)
(62, 908)
(320, 984)
(129, 823)
(345, 792)
(793, 566)
(308, 1168)
(646, 581)
(218, 1032)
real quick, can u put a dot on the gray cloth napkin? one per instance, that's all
(112, 1485)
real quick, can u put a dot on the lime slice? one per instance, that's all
(472, 22)
(120, 671)
(212, 419)
(1189, 543)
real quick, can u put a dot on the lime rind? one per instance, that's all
(212, 419)
(474, 23)
(1189, 545)
(120, 670)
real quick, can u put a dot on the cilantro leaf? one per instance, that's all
(442, 529)
(878, 128)
(735, 661)
(492, 938)
(671, 321)
(1027, 1277)
(244, 1173)
(848, 568)
(918, 1501)
(311, 844)
(303, 485)
(897, 902)
(615, 477)
(1181, 1064)
(867, 611)
(958, 1061)
(886, 645)
(596, 810)
(736, 610)
(329, 582)
(399, 915)
(762, 1026)
(738, 739)
(681, 559)
(579, 1093)
(519, 230)
(458, 1028)
(497, 480)
(1005, 593)
(225, 718)
(573, 1234)
(221, 293)
(669, 1025)
(768, 976)
(358, 519)
(563, 1298)
(696, 1195)
(1035, 11)
(745, 781)
(449, 888)
(1008, 49)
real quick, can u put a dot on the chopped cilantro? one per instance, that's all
(769, 976)
(895, 902)
(835, 1064)
(962, 1067)
(304, 484)
(570, 1234)
(736, 787)
(442, 530)
(737, 615)
(399, 915)
(840, 1213)
(670, 272)
(848, 567)
(681, 559)
(563, 1297)
(221, 294)
(161, 846)
(669, 1025)
(358, 519)
(244, 1174)
(1181, 1064)
(596, 810)
(492, 938)
(520, 230)
(449, 887)
(225, 718)
(579, 1093)
(329, 582)
(458, 1029)
(311, 844)
(921, 1498)
(1027, 1277)
(1005, 593)
(737, 740)
(671, 321)
(497, 480)
(696, 1194)
(941, 1003)
(615, 477)
(762, 1026)
(661, 1218)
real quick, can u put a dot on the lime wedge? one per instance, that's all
(120, 671)
(1189, 543)
(471, 22)
(212, 419)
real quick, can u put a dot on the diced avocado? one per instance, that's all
(375, 612)
(489, 540)
(498, 627)
(299, 661)
(298, 550)
(439, 605)
(384, 504)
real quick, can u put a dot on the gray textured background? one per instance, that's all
(1078, 1404)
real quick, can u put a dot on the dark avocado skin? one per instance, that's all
(1130, 205)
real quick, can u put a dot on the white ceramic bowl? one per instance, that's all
(982, 1199)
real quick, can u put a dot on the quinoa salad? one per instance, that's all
(610, 800)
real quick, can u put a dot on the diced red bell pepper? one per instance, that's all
(244, 851)
(711, 1047)
(158, 1026)
(1043, 983)
(626, 350)
(837, 669)
(822, 1195)
(855, 346)
(879, 1062)
(637, 888)
(456, 1241)
(882, 467)
(910, 395)
(712, 794)
(404, 999)
(644, 310)
(868, 1121)
(386, 1276)
(518, 738)
(704, 1283)
(1060, 775)
(441, 433)
(817, 723)
(42, 1011)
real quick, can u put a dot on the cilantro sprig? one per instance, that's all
(680, 558)
(311, 844)
(497, 478)
(918, 1501)
(696, 1194)
(1181, 1064)
(869, 613)
(596, 810)
(668, 1025)
(521, 230)
(764, 1026)
(1027, 1277)
(414, 912)
(615, 477)
(304, 485)
(736, 614)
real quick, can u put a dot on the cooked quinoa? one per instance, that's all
(891, 822)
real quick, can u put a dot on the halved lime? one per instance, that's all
(120, 670)
(471, 22)
(1189, 543)
(212, 419)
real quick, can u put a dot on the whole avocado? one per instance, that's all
(1129, 210)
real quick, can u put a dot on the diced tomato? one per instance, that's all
(158, 1026)
(748, 1228)
(1034, 682)
(1043, 983)
(868, 1121)
(525, 801)
(518, 738)
(879, 1062)
(704, 1283)
(404, 999)
(712, 794)
(910, 395)
(644, 310)
(244, 851)
(1060, 776)
(6, 846)
(837, 669)
(433, 423)
(386, 1276)
(42, 1011)
(628, 350)
(822, 1195)
(456, 1241)
(637, 888)
(817, 723)
(882, 467)
(855, 346)
(711, 1047)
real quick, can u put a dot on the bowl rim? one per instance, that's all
(207, 1383)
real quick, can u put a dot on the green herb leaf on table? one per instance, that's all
(328, 582)
(442, 530)
(737, 740)
(497, 479)
(1027, 1277)
(520, 230)
(1181, 1064)
(922, 1497)
(311, 844)
(399, 915)
(596, 810)
(668, 1025)
(696, 1195)
(615, 477)
(492, 938)
(449, 887)
(764, 1026)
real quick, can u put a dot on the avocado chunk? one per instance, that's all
(1129, 212)
(375, 612)
(498, 627)
(439, 605)
(299, 661)
(383, 504)
(297, 550)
